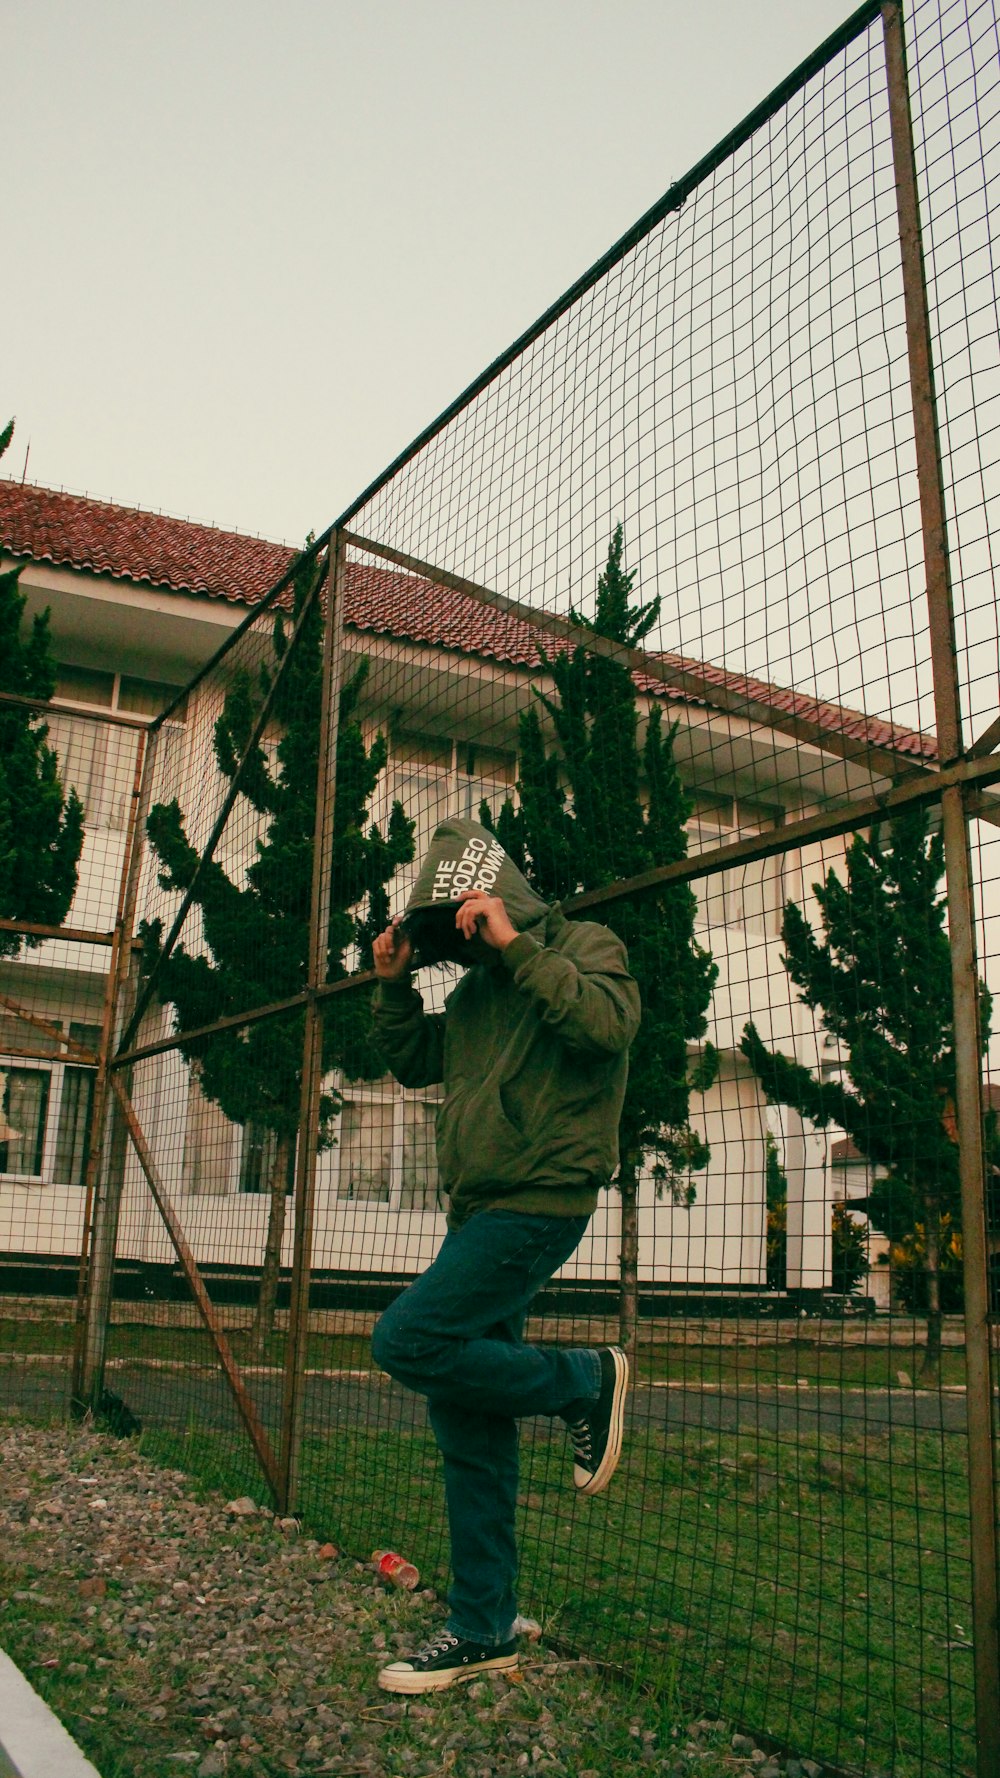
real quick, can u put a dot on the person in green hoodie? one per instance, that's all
(532, 1048)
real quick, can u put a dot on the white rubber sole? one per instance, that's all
(398, 1678)
(596, 1483)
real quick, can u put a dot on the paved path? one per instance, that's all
(173, 1397)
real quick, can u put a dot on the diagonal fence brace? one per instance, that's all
(244, 1402)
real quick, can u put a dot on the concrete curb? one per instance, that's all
(33, 1742)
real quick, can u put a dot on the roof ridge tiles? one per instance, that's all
(154, 512)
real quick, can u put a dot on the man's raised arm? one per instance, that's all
(411, 1039)
(589, 1000)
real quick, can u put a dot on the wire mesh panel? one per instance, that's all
(708, 456)
(955, 86)
(796, 1461)
(735, 392)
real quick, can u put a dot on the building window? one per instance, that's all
(148, 697)
(753, 898)
(435, 777)
(97, 758)
(364, 1136)
(84, 685)
(258, 1152)
(485, 774)
(745, 895)
(22, 1134)
(208, 1146)
(420, 775)
(47, 1108)
(419, 1185)
(73, 1128)
(18, 1034)
(385, 1151)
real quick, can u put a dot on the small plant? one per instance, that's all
(848, 1251)
(776, 1186)
(908, 1261)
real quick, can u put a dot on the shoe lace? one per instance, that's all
(582, 1440)
(440, 1647)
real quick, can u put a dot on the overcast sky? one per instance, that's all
(250, 250)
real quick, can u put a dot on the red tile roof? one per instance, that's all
(844, 1153)
(125, 543)
(74, 531)
(391, 603)
(854, 725)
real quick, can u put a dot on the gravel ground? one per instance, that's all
(173, 1631)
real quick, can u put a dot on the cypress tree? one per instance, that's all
(880, 980)
(256, 933)
(41, 829)
(627, 813)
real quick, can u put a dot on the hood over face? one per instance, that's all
(463, 855)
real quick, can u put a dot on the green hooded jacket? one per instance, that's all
(532, 1046)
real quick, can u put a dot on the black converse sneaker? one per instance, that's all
(596, 1434)
(447, 1661)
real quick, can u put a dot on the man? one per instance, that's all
(533, 1052)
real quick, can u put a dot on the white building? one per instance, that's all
(138, 603)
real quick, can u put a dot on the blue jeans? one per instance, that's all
(455, 1336)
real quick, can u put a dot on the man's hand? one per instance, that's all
(484, 916)
(392, 954)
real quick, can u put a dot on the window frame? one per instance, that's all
(732, 822)
(105, 795)
(402, 764)
(385, 1092)
(55, 1069)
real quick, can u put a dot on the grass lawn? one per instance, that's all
(815, 1591)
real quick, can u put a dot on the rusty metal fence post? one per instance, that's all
(312, 1049)
(106, 1161)
(961, 915)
